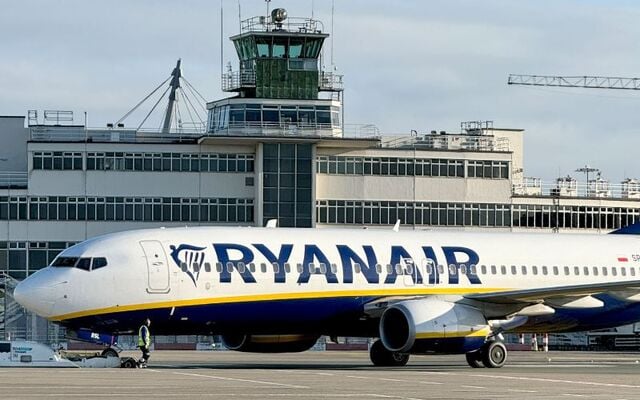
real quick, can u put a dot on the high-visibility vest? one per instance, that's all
(144, 336)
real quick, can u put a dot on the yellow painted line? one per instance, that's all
(442, 335)
(275, 297)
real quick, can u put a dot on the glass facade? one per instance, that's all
(147, 209)
(395, 166)
(233, 116)
(358, 212)
(126, 161)
(20, 259)
(288, 179)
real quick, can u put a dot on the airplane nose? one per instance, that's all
(36, 294)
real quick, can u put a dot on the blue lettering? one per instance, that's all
(277, 262)
(452, 260)
(434, 276)
(398, 255)
(368, 268)
(222, 252)
(311, 253)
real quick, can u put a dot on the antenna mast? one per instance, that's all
(174, 85)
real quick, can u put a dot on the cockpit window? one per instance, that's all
(64, 262)
(84, 264)
(99, 262)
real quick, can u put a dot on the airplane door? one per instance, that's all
(157, 266)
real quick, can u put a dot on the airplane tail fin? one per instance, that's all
(633, 229)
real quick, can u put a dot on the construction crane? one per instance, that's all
(590, 82)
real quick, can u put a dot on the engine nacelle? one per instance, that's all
(432, 325)
(269, 343)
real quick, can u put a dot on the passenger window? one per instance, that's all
(184, 267)
(623, 271)
(84, 264)
(534, 269)
(586, 271)
(576, 271)
(545, 270)
(207, 267)
(472, 270)
(493, 270)
(241, 267)
(632, 271)
(299, 267)
(323, 268)
(196, 267)
(555, 270)
(389, 269)
(429, 269)
(595, 271)
(356, 268)
(263, 268)
(441, 269)
(524, 270)
(276, 268)
(513, 270)
(605, 272)
(334, 268)
(64, 262)
(483, 268)
(398, 269)
(503, 270)
(252, 267)
(452, 269)
(566, 270)
(379, 268)
(218, 267)
(614, 271)
(229, 267)
(287, 268)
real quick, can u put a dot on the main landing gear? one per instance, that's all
(493, 354)
(381, 357)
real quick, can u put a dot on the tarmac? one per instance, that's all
(335, 375)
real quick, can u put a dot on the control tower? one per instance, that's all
(280, 86)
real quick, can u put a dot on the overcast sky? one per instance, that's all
(411, 64)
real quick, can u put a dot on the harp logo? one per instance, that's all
(189, 259)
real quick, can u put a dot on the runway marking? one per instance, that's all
(224, 378)
(522, 391)
(523, 378)
(472, 387)
(574, 395)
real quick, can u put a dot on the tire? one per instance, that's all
(109, 352)
(494, 354)
(129, 363)
(474, 359)
(381, 357)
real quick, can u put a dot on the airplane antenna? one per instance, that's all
(396, 227)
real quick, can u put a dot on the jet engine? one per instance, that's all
(432, 325)
(269, 343)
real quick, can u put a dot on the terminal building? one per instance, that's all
(276, 148)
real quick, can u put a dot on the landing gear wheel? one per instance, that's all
(381, 357)
(109, 352)
(129, 363)
(474, 359)
(494, 354)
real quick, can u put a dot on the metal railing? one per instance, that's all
(291, 24)
(235, 80)
(64, 134)
(564, 187)
(331, 82)
(11, 180)
(451, 142)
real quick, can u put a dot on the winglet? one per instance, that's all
(272, 223)
(396, 227)
(633, 229)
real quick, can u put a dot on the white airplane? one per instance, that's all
(278, 289)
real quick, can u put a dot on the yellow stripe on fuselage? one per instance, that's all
(274, 297)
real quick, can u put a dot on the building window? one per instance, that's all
(170, 162)
(57, 160)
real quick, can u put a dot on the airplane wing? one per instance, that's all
(541, 294)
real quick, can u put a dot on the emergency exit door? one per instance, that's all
(157, 266)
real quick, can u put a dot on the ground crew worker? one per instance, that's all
(144, 342)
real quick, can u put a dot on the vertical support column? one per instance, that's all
(545, 343)
(258, 202)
